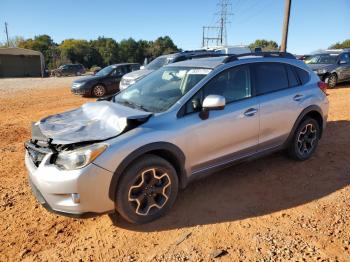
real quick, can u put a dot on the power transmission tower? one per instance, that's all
(218, 34)
(224, 14)
(7, 35)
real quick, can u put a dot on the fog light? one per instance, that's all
(76, 198)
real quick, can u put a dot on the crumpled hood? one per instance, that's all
(93, 121)
(319, 66)
(137, 74)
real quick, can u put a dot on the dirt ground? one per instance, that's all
(272, 209)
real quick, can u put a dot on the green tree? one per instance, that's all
(42, 43)
(143, 51)
(108, 49)
(101, 52)
(341, 45)
(264, 44)
(79, 51)
(128, 50)
(162, 46)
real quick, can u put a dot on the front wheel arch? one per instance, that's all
(329, 75)
(166, 150)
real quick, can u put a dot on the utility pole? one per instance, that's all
(7, 35)
(285, 25)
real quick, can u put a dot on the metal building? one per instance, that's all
(19, 62)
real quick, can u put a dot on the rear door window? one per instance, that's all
(270, 77)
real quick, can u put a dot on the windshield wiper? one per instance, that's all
(132, 105)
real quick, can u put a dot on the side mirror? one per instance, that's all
(212, 102)
(142, 67)
(342, 62)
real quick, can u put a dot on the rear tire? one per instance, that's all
(331, 80)
(98, 91)
(147, 190)
(305, 140)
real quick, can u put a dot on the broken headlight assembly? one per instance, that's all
(79, 158)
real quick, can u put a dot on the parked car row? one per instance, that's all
(120, 76)
(106, 81)
(332, 66)
(69, 70)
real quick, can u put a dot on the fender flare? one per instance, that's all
(309, 109)
(175, 152)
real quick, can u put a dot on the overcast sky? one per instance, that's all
(314, 24)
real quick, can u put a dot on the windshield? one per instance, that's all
(159, 62)
(323, 59)
(105, 71)
(158, 91)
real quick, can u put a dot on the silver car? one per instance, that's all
(131, 78)
(132, 152)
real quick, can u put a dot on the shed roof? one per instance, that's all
(18, 51)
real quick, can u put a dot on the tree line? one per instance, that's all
(105, 51)
(101, 52)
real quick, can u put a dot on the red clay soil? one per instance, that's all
(271, 209)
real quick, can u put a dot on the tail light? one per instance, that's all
(323, 86)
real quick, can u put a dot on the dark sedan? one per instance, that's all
(106, 81)
(331, 66)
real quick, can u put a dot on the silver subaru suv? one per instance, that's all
(133, 151)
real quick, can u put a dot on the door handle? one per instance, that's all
(298, 97)
(251, 112)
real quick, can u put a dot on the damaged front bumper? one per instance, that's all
(76, 193)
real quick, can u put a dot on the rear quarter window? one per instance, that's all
(292, 76)
(303, 75)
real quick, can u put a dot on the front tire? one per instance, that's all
(98, 91)
(331, 80)
(305, 140)
(147, 190)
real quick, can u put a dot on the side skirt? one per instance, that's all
(212, 169)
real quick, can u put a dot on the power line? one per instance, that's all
(252, 13)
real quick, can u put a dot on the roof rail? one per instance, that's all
(232, 58)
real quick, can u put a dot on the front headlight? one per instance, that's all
(321, 71)
(77, 85)
(125, 83)
(79, 158)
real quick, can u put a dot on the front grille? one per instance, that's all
(36, 152)
(35, 156)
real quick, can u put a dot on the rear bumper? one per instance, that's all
(54, 188)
